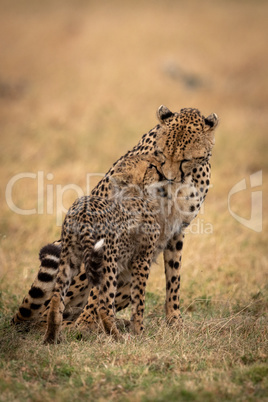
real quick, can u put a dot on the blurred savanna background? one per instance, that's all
(80, 82)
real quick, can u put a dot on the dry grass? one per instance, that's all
(79, 84)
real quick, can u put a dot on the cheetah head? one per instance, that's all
(186, 136)
(137, 173)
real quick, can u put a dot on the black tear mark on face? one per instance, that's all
(161, 176)
(182, 172)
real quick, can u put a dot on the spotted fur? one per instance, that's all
(111, 236)
(177, 138)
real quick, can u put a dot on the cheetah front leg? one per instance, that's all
(89, 318)
(107, 292)
(139, 277)
(172, 259)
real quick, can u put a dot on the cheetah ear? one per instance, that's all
(121, 179)
(163, 113)
(156, 158)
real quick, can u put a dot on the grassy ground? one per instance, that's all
(79, 84)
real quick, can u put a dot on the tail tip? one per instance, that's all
(99, 245)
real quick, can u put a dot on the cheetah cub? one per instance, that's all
(111, 236)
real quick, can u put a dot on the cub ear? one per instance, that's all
(163, 113)
(157, 158)
(121, 179)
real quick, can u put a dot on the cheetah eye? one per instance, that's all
(151, 166)
(159, 155)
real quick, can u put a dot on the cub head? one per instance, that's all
(138, 172)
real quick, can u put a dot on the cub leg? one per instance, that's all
(107, 292)
(68, 268)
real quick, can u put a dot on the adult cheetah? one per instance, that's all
(177, 135)
(123, 234)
